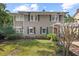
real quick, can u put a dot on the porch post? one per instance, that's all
(53, 28)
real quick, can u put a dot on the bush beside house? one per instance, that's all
(52, 37)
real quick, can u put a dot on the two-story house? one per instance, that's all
(37, 23)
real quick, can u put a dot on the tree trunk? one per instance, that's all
(64, 51)
(67, 50)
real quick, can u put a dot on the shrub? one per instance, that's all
(11, 37)
(59, 50)
(8, 32)
(41, 37)
(2, 37)
(52, 36)
(36, 37)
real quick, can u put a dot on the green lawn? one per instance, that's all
(28, 48)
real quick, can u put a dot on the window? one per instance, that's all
(20, 30)
(44, 31)
(60, 17)
(56, 17)
(14, 17)
(34, 18)
(52, 18)
(19, 18)
(31, 30)
(31, 17)
(25, 17)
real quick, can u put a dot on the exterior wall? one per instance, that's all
(77, 17)
(21, 21)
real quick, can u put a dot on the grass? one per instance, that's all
(28, 48)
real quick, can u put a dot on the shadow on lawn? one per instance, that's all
(1, 49)
(45, 53)
(29, 43)
(32, 43)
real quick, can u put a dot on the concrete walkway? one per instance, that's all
(75, 48)
(76, 43)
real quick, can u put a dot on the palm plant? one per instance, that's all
(68, 19)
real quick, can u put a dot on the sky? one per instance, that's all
(51, 7)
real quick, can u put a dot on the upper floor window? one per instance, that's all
(54, 18)
(21, 17)
(14, 17)
(36, 17)
(18, 23)
(25, 17)
(33, 18)
(60, 17)
(18, 18)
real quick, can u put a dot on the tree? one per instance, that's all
(68, 19)
(70, 33)
(5, 18)
(6, 28)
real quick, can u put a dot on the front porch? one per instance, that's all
(57, 28)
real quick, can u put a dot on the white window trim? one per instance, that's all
(18, 29)
(56, 18)
(53, 20)
(31, 28)
(34, 20)
(45, 31)
(19, 18)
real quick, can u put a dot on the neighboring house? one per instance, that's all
(36, 23)
(76, 16)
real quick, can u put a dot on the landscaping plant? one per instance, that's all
(52, 37)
